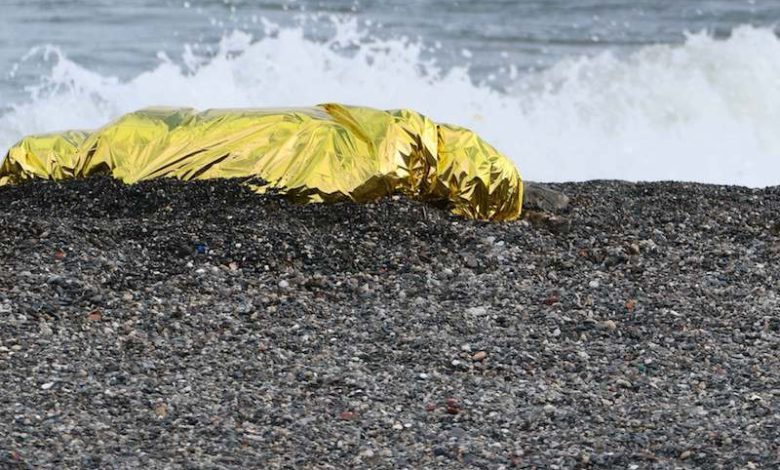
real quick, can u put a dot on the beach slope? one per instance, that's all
(198, 324)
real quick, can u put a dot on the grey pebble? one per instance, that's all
(634, 328)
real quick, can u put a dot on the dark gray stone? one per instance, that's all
(539, 197)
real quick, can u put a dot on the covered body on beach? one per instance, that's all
(326, 153)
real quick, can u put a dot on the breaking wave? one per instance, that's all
(707, 110)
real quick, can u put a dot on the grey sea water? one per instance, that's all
(124, 38)
(572, 89)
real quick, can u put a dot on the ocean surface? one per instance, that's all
(570, 89)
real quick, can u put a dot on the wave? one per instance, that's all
(707, 110)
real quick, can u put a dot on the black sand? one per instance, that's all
(387, 335)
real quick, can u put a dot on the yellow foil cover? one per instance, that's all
(325, 153)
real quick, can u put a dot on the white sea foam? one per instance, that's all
(707, 110)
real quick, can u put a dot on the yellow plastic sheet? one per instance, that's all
(325, 153)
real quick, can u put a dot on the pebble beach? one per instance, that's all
(198, 325)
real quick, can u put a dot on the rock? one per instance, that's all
(539, 197)
(45, 329)
(479, 356)
(555, 224)
(624, 383)
(440, 451)
(477, 311)
(452, 406)
(609, 325)
(161, 410)
(470, 261)
(648, 245)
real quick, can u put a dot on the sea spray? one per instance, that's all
(707, 110)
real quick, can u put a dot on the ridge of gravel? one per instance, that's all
(198, 325)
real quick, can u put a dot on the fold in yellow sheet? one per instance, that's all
(325, 153)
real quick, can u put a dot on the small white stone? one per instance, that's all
(477, 311)
(45, 329)
(284, 284)
(594, 284)
(47, 385)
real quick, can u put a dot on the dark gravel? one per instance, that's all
(198, 325)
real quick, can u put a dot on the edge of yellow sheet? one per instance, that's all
(324, 153)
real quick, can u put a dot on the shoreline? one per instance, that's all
(171, 323)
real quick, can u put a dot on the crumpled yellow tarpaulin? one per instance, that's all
(321, 154)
